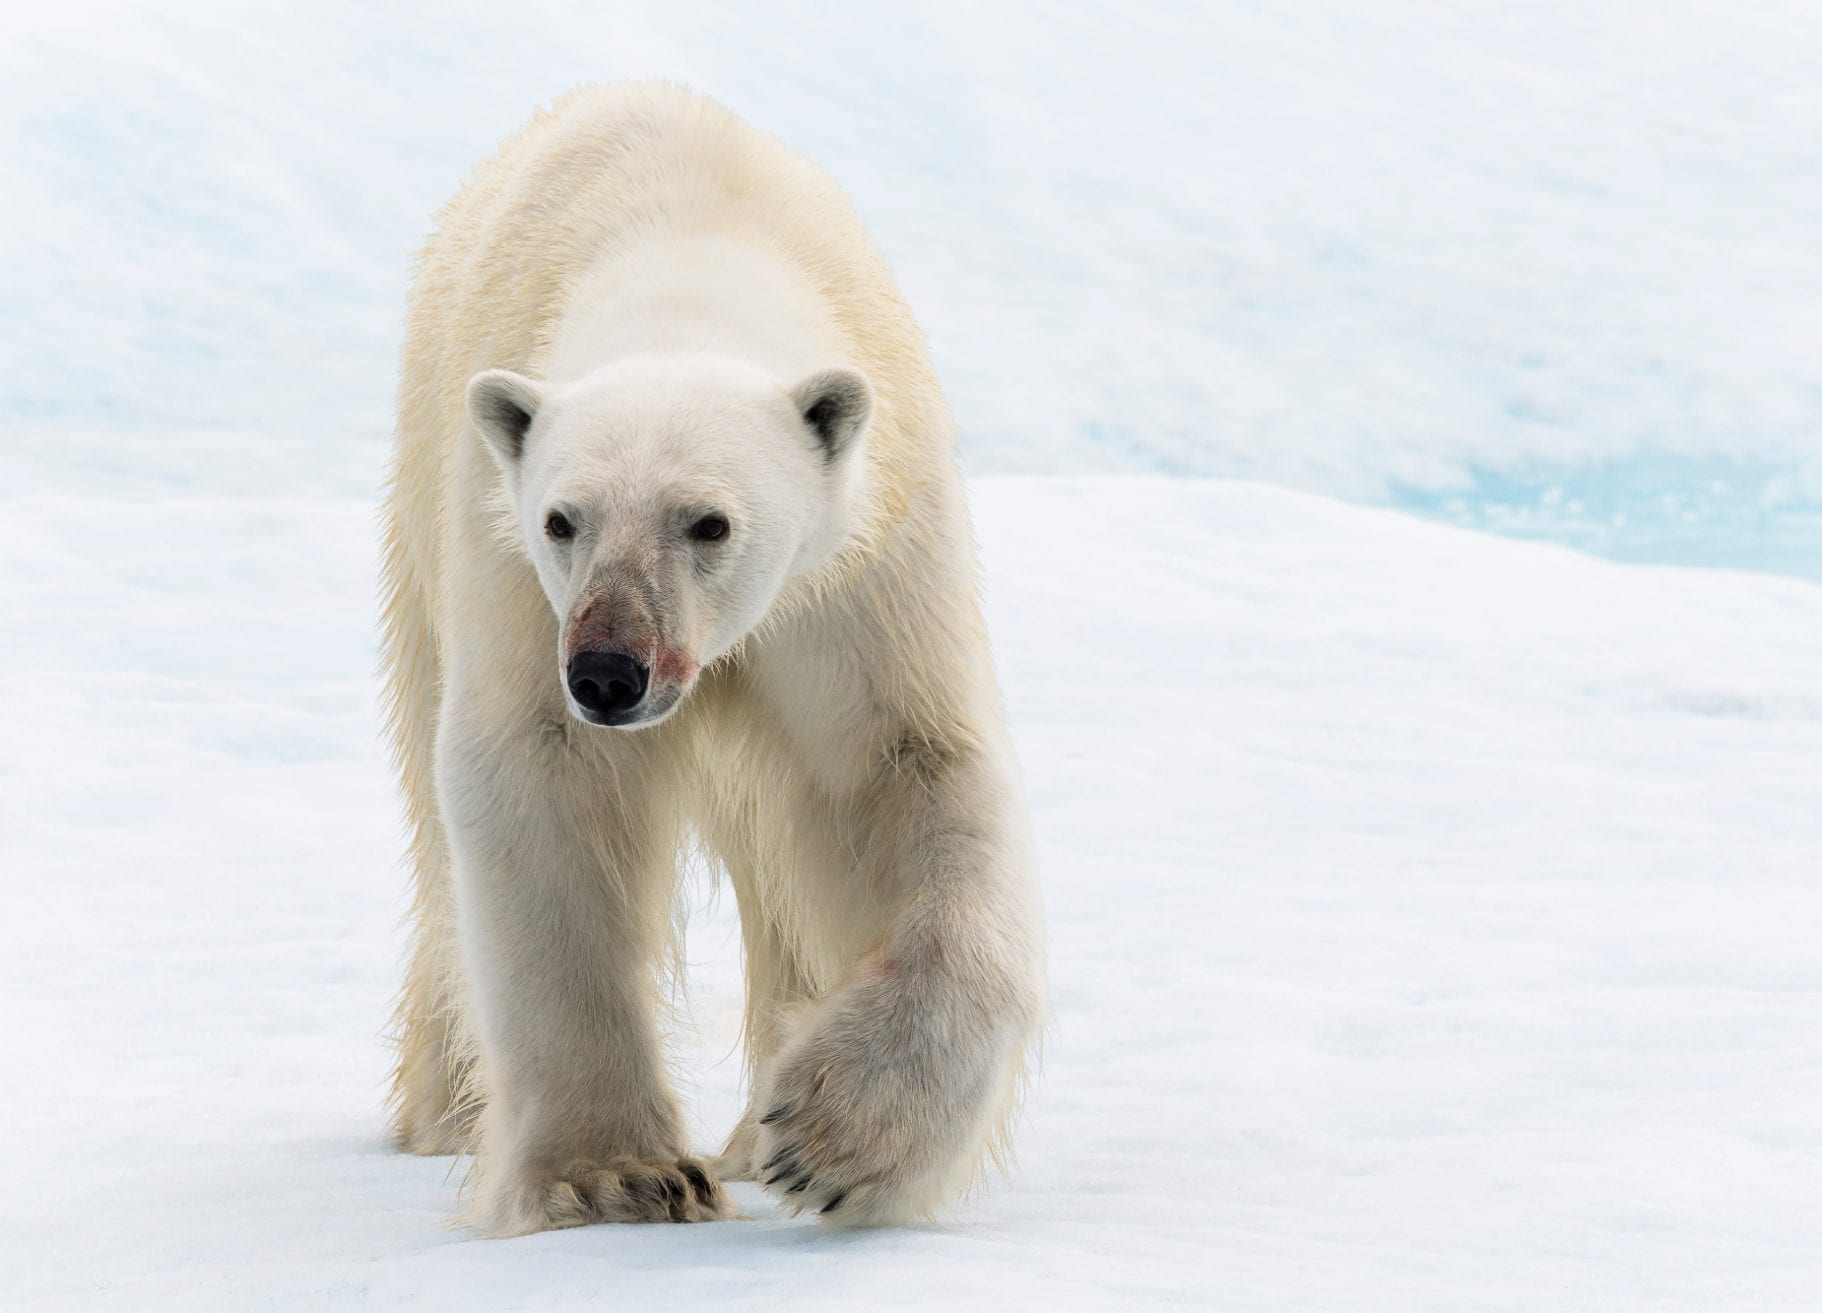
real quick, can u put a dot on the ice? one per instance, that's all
(1395, 252)
(1432, 927)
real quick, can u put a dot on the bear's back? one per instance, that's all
(611, 167)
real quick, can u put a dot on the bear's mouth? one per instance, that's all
(657, 705)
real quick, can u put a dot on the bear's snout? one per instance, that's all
(607, 684)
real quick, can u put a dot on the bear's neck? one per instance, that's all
(693, 295)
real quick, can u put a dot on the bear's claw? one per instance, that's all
(619, 1190)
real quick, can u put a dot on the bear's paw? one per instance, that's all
(618, 1189)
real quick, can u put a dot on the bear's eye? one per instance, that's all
(557, 526)
(710, 528)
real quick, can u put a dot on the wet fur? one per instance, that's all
(845, 763)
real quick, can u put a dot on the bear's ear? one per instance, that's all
(836, 404)
(502, 405)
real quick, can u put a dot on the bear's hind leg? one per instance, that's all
(775, 984)
(434, 1102)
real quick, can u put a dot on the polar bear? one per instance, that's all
(676, 554)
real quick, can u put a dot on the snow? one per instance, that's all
(1433, 914)
(1432, 927)
(1546, 267)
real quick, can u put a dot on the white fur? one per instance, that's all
(641, 312)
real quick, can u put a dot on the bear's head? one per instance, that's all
(666, 502)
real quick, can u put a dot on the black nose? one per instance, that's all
(605, 684)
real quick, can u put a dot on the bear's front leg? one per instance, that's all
(563, 880)
(884, 1095)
